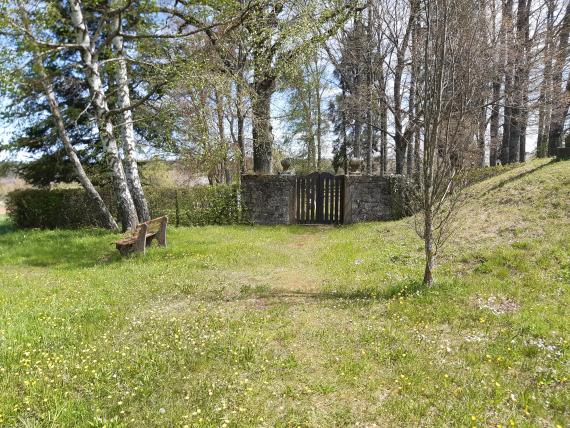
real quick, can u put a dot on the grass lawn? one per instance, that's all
(298, 326)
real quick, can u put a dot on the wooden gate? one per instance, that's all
(320, 199)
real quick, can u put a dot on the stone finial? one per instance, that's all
(354, 166)
(286, 164)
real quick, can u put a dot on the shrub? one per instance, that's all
(50, 209)
(71, 208)
(196, 206)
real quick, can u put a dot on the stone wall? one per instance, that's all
(269, 199)
(373, 198)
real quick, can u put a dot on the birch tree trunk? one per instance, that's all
(127, 209)
(127, 128)
(104, 214)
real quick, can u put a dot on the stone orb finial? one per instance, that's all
(354, 165)
(286, 164)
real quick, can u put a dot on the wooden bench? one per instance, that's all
(137, 240)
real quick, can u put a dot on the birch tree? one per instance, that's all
(21, 22)
(92, 69)
(127, 127)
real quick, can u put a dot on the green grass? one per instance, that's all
(297, 326)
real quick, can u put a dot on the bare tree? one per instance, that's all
(452, 78)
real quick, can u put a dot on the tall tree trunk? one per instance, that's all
(127, 128)
(241, 134)
(125, 202)
(343, 134)
(306, 101)
(494, 125)
(428, 249)
(262, 131)
(399, 140)
(545, 100)
(494, 143)
(222, 136)
(383, 125)
(415, 74)
(559, 109)
(481, 135)
(240, 108)
(410, 151)
(318, 101)
(526, 78)
(519, 90)
(369, 80)
(506, 29)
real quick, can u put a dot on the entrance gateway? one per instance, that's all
(319, 198)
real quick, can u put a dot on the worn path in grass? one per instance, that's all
(297, 326)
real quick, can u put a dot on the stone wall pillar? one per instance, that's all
(372, 198)
(269, 199)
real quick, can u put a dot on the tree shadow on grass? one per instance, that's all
(5, 227)
(521, 175)
(57, 248)
(402, 289)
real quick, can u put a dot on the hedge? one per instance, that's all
(71, 208)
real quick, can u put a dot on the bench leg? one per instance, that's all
(124, 250)
(161, 236)
(140, 245)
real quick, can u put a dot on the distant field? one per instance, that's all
(298, 326)
(8, 184)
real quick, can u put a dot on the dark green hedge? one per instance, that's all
(50, 209)
(70, 208)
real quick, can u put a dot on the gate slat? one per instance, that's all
(319, 198)
(313, 204)
(341, 200)
(326, 200)
(302, 196)
(332, 198)
(337, 197)
(298, 198)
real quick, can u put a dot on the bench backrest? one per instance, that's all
(152, 226)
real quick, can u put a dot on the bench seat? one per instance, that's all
(139, 239)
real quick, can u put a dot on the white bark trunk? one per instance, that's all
(105, 216)
(127, 128)
(125, 202)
